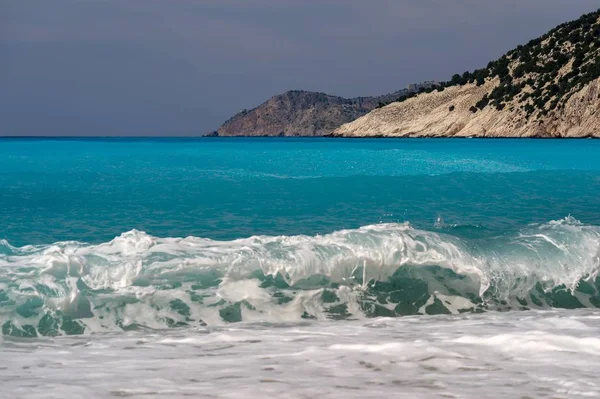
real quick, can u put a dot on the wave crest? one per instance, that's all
(140, 281)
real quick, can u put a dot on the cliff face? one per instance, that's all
(547, 88)
(300, 113)
(449, 114)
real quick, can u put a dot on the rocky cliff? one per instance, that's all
(549, 87)
(301, 113)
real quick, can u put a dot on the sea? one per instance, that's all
(299, 268)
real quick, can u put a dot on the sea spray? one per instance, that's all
(137, 281)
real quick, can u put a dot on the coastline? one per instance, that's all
(252, 137)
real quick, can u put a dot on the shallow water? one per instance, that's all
(283, 267)
(551, 354)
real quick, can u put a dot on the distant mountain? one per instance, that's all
(549, 87)
(301, 113)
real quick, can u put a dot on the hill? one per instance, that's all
(549, 87)
(301, 113)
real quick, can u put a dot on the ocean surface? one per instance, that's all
(299, 268)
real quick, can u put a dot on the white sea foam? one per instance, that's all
(512, 354)
(137, 280)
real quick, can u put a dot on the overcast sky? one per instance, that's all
(182, 67)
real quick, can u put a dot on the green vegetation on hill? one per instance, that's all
(541, 75)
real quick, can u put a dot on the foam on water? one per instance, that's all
(139, 281)
(552, 353)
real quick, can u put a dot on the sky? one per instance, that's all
(182, 67)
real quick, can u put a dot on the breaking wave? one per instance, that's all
(137, 281)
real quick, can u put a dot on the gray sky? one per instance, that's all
(173, 67)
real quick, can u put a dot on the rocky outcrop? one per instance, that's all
(450, 114)
(301, 113)
(547, 88)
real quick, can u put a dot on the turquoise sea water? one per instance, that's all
(92, 190)
(120, 234)
(299, 268)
